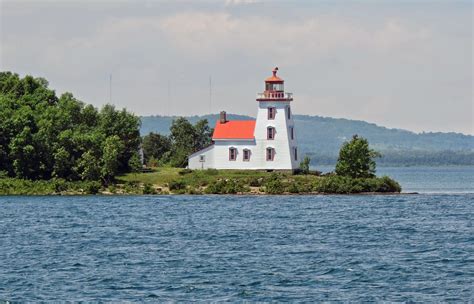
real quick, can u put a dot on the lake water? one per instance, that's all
(242, 248)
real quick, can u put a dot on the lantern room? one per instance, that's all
(274, 83)
(274, 89)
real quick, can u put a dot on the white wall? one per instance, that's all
(284, 156)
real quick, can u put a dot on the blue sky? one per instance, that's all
(401, 64)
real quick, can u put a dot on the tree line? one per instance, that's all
(183, 140)
(43, 136)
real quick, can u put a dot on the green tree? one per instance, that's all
(187, 139)
(89, 167)
(304, 165)
(110, 158)
(22, 152)
(154, 146)
(42, 136)
(62, 163)
(126, 126)
(183, 137)
(356, 159)
(203, 134)
(135, 163)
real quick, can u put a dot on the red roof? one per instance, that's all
(234, 129)
(274, 77)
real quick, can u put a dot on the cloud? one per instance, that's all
(385, 67)
(204, 34)
(240, 2)
(207, 35)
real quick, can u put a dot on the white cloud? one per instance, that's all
(240, 2)
(204, 34)
(385, 69)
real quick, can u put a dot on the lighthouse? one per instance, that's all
(266, 143)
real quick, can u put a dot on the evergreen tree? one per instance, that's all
(356, 159)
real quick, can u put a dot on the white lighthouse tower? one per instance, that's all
(267, 143)
(274, 128)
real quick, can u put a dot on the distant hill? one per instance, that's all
(321, 138)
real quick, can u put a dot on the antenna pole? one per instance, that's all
(110, 89)
(169, 98)
(210, 95)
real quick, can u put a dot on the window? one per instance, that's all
(232, 153)
(246, 154)
(270, 133)
(288, 111)
(292, 133)
(274, 86)
(202, 158)
(295, 150)
(271, 113)
(270, 154)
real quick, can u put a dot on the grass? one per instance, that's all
(163, 176)
(180, 181)
(184, 181)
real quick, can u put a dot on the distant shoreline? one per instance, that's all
(226, 194)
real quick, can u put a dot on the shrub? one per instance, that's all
(388, 185)
(176, 185)
(3, 174)
(226, 187)
(305, 187)
(255, 181)
(148, 189)
(344, 185)
(304, 165)
(91, 187)
(293, 188)
(112, 188)
(211, 171)
(274, 185)
(185, 171)
(132, 188)
(59, 185)
(333, 184)
(192, 190)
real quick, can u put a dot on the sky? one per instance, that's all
(400, 64)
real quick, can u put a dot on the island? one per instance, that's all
(53, 145)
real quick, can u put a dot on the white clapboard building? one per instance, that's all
(267, 143)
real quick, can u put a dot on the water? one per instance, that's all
(238, 248)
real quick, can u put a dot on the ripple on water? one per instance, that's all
(227, 248)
